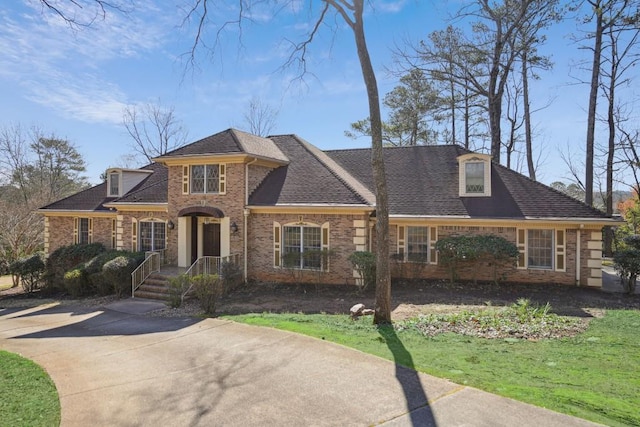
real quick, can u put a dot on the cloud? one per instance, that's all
(64, 67)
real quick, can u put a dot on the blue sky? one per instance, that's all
(75, 82)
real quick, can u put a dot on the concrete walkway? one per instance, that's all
(114, 367)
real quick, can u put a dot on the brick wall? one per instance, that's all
(59, 231)
(341, 243)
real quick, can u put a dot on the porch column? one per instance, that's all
(184, 241)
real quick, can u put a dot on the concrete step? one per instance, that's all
(155, 288)
(156, 281)
(152, 295)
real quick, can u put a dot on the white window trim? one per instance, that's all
(110, 179)
(153, 220)
(462, 176)
(558, 249)
(278, 245)
(403, 238)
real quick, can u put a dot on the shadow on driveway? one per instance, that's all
(420, 413)
(97, 322)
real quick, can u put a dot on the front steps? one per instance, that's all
(155, 287)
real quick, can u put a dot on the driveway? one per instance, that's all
(113, 367)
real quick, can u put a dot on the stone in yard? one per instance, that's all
(356, 310)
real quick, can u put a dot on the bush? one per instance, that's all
(365, 264)
(178, 287)
(627, 263)
(67, 258)
(475, 250)
(30, 271)
(75, 282)
(231, 276)
(208, 288)
(118, 273)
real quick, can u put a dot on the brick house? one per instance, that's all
(267, 201)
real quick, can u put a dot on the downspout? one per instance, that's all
(246, 218)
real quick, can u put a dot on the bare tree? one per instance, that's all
(260, 118)
(82, 13)
(155, 130)
(352, 13)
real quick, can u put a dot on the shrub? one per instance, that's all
(475, 250)
(66, 258)
(365, 264)
(178, 287)
(208, 288)
(231, 275)
(30, 271)
(118, 273)
(627, 263)
(76, 283)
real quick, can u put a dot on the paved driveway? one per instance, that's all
(120, 369)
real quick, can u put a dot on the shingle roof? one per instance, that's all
(311, 178)
(153, 189)
(423, 180)
(231, 141)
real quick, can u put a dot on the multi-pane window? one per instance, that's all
(417, 244)
(302, 247)
(114, 184)
(83, 231)
(152, 235)
(540, 249)
(474, 177)
(205, 178)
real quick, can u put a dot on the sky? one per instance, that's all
(75, 82)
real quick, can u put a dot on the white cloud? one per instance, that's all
(63, 67)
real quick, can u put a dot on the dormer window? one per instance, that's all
(114, 184)
(475, 175)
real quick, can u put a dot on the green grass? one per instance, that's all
(595, 375)
(28, 397)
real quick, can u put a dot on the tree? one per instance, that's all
(260, 117)
(352, 13)
(36, 170)
(606, 14)
(82, 13)
(411, 104)
(155, 130)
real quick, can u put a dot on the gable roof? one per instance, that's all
(311, 177)
(230, 141)
(423, 181)
(152, 189)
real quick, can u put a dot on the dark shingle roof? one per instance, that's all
(152, 189)
(423, 180)
(231, 141)
(311, 178)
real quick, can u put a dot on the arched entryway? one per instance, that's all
(201, 234)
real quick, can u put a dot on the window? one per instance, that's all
(474, 177)
(82, 231)
(301, 246)
(205, 179)
(540, 249)
(114, 184)
(152, 235)
(417, 243)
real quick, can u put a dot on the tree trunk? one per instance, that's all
(383, 276)
(593, 100)
(611, 121)
(527, 116)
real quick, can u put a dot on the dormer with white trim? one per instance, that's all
(120, 181)
(474, 175)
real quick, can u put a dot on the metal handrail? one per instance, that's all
(150, 265)
(204, 266)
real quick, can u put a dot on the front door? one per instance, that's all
(211, 240)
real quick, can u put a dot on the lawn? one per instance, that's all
(594, 375)
(29, 397)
